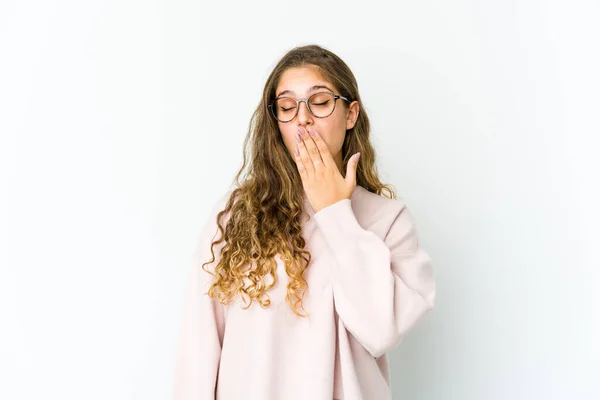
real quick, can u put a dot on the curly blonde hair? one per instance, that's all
(265, 208)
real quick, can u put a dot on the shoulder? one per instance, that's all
(376, 212)
(220, 203)
(375, 205)
(211, 221)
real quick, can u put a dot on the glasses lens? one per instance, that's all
(321, 104)
(285, 109)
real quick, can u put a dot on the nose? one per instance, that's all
(304, 116)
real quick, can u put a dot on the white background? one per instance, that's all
(122, 122)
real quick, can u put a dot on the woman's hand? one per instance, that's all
(323, 183)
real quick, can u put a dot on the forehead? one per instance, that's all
(300, 81)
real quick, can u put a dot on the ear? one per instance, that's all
(352, 116)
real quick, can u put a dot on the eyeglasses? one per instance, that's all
(321, 105)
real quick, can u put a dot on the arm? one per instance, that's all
(381, 288)
(201, 332)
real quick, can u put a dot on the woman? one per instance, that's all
(305, 275)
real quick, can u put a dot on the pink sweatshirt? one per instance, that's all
(369, 283)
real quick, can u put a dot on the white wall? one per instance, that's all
(113, 148)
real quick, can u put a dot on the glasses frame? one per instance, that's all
(305, 100)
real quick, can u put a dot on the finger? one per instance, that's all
(304, 157)
(351, 170)
(311, 147)
(299, 163)
(322, 147)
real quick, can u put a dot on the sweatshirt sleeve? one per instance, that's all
(381, 287)
(198, 349)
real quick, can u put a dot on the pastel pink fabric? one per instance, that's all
(369, 283)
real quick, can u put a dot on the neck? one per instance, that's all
(338, 162)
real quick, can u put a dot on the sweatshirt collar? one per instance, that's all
(308, 208)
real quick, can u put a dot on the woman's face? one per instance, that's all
(300, 83)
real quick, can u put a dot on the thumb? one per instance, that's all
(351, 169)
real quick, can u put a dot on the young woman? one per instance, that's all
(305, 275)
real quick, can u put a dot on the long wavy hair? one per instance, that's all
(263, 212)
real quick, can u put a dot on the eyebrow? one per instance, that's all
(315, 87)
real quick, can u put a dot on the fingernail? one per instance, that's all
(357, 156)
(298, 138)
(296, 151)
(301, 130)
(311, 131)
